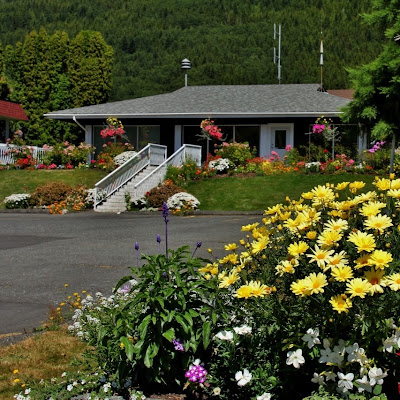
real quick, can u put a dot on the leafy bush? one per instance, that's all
(182, 202)
(160, 194)
(238, 153)
(185, 173)
(159, 318)
(51, 192)
(105, 159)
(68, 154)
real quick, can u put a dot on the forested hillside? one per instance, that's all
(227, 41)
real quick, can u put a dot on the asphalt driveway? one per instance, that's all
(39, 253)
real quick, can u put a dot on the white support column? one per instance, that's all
(265, 141)
(89, 139)
(361, 142)
(177, 137)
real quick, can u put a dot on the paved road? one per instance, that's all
(90, 251)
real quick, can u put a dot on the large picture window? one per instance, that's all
(137, 135)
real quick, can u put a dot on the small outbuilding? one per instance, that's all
(9, 111)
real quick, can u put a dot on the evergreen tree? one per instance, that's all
(376, 101)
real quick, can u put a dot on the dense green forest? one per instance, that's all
(227, 41)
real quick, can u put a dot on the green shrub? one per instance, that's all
(238, 153)
(51, 192)
(185, 173)
(160, 194)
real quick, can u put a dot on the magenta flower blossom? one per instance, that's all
(178, 345)
(196, 373)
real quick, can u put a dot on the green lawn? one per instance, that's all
(260, 192)
(25, 181)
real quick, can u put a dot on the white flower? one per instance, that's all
(69, 388)
(181, 199)
(27, 391)
(220, 164)
(64, 374)
(318, 379)
(225, 335)
(295, 358)
(345, 381)
(264, 396)
(330, 376)
(358, 355)
(363, 384)
(243, 378)
(311, 337)
(376, 376)
(217, 391)
(243, 330)
(124, 157)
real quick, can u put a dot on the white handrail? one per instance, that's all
(195, 154)
(152, 154)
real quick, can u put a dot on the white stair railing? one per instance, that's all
(152, 154)
(186, 152)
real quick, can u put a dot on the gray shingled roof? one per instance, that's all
(219, 101)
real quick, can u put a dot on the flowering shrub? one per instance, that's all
(113, 129)
(67, 154)
(318, 282)
(182, 202)
(20, 151)
(237, 153)
(377, 156)
(20, 200)
(124, 157)
(160, 194)
(105, 159)
(220, 165)
(184, 173)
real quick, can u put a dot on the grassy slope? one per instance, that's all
(260, 192)
(25, 181)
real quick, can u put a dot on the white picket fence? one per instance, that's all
(6, 156)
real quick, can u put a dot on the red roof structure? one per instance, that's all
(10, 110)
(345, 93)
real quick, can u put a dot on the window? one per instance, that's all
(280, 138)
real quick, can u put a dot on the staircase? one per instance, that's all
(138, 175)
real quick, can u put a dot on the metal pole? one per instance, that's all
(392, 152)
(279, 54)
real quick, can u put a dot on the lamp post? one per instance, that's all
(185, 65)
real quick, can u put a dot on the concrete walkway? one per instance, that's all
(39, 253)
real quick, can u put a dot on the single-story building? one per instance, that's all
(9, 111)
(269, 117)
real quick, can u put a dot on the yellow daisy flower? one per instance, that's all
(372, 208)
(358, 287)
(285, 267)
(393, 281)
(244, 292)
(342, 185)
(338, 259)
(329, 238)
(259, 245)
(307, 195)
(297, 248)
(339, 225)
(273, 210)
(229, 279)
(356, 185)
(231, 247)
(342, 273)
(249, 228)
(299, 288)
(320, 256)
(363, 241)
(380, 259)
(395, 193)
(382, 184)
(315, 283)
(341, 303)
(258, 289)
(374, 277)
(362, 261)
(379, 222)
(322, 194)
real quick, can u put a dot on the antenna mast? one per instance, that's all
(277, 58)
(321, 64)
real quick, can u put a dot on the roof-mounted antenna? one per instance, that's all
(185, 65)
(321, 65)
(277, 58)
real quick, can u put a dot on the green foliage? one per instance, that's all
(160, 194)
(49, 72)
(376, 101)
(232, 45)
(183, 174)
(66, 153)
(237, 153)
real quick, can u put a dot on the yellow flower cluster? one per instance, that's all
(333, 241)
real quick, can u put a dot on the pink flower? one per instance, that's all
(288, 147)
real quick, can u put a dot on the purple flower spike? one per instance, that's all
(165, 210)
(178, 345)
(158, 238)
(199, 243)
(136, 246)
